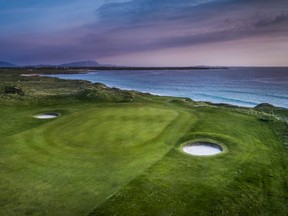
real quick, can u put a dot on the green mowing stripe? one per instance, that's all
(69, 165)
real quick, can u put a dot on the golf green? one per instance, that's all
(115, 152)
(71, 164)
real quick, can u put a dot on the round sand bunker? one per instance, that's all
(202, 149)
(47, 116)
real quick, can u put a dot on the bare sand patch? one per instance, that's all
(47, 115)
(202, 149)
(29, 75)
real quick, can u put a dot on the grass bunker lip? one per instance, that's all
(48, 115)
(202, 148)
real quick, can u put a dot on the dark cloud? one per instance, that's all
(142, 25)
(278, 19)
(141, 10)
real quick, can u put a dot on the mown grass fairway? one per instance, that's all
(107, 158)
(70, 164)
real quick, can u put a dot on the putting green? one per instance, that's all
(71, 164)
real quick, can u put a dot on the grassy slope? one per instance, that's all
(249, 179)
(125, 158)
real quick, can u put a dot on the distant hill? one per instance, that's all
(7, 64)
(77, 64)
(88, 63)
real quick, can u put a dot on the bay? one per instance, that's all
(247, 86)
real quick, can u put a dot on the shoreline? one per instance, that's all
(242, 104)
(53, 73)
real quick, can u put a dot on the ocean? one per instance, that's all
(247, 86)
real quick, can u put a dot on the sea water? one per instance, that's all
(237, 86)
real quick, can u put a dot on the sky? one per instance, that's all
(145, 32)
